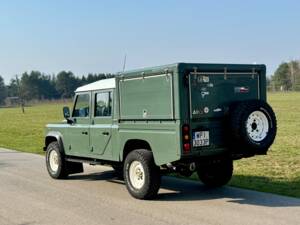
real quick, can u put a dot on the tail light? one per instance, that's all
(186, 140)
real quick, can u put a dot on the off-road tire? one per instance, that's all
(61, 172)
(215, 174)
(152, 176)
(239, 137)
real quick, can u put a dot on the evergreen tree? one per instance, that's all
(282, 77)
(66, 83)
(3, 92)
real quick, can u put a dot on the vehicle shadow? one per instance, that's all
(105, 175)
(178, 189)
(186, 190)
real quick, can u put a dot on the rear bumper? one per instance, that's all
(204, 153)
(216, 153)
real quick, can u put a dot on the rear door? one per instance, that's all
(212, 93)
(101, 125)
(210, 96)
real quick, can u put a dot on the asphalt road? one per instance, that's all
(29, 196)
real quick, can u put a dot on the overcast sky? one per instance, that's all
(93, 36)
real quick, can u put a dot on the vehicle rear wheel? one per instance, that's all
(216, 174)
(56, 165)
(142, 176)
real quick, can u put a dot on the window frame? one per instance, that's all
(110, 94)
(75, 102)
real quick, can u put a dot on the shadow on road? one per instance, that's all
(186, 190)
(106, 175)
(176, 189)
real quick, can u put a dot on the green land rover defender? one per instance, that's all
(180, 118)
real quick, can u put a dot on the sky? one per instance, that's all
(94, 36)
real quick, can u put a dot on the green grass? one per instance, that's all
(25, 132)
(278, 172)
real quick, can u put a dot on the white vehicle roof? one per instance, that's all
(98, 85)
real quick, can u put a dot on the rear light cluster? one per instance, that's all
(186, 140)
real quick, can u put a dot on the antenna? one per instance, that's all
(124, 65)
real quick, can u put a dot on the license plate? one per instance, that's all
(200, 138)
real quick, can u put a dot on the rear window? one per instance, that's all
(103, 103)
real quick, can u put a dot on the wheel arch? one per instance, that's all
(133, 144)
(54, 136)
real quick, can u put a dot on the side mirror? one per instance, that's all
(66, 112)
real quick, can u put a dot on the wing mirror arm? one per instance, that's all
(70, 120)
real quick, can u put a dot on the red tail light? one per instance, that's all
(186, 128)
(187, 147)
(186, 138)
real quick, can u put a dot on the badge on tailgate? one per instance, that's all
(200, 138)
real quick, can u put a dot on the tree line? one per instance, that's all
(286, 77)
(40, 86)
(36, 85)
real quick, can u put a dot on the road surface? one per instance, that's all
(28, 196)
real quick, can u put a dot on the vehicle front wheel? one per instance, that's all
(142, 176)
(216, 174)
(56, 165)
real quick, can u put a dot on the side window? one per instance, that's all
(103, 104)
(82, 106)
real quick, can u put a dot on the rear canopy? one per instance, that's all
(148, 97)
(151, 93)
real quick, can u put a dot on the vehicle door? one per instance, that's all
(78, 131)
(101, 124)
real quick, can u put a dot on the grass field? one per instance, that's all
(25, 132)
(278, 172)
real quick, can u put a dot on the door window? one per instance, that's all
(103, 104)
(82, 106)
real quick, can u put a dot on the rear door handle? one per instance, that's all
(105, 133)
(85, 132)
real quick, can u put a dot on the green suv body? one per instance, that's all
(174, 118)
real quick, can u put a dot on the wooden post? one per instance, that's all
(22, 103)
